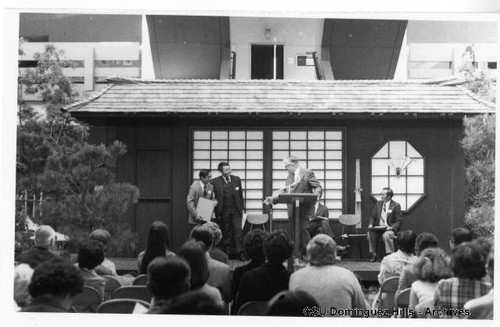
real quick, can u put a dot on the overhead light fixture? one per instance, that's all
(267, 33)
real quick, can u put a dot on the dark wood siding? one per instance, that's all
(159, 162)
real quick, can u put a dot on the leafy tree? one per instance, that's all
(479, 147)
(63, 180)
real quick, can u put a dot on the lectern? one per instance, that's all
(297, 199)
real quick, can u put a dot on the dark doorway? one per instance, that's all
(262, 61)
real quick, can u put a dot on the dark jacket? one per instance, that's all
(394, 215)
(218, 184)
(36, 256)
(262, 283)
(43, 303)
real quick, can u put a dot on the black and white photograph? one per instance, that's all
(210, 163)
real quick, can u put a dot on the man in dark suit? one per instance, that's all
(229, 209)
(299, 180)
(319, 222)
(385, 222)
(199, 189)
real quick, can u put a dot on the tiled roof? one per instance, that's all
(266, 96)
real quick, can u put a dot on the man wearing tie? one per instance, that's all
(319, 223)
(199, 189)
(299, 180)
(385, 222)
(229, 210)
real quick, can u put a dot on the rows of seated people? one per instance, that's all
(198, 280)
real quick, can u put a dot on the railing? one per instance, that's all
(232, 74)
(317, 67)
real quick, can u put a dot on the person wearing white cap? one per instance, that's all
(299, 180)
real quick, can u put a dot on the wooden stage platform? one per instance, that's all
(367, 271)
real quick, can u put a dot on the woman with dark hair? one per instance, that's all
(91, 255)
(394, 263)
(432, 266)
(253, 248)
(157, 245)
(53, 285)
(194, 253)
(469, 267)
(262, 283)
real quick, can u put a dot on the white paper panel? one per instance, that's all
(316, 135)
(378, 183)
(379, 167)
(334, 165)
(219, 145)
(383, 153)
(237, 135)
(298, 145)
(316, 155)
(316, 145)
(201, 145)
(255, 154)
(330, 135)
(298, 135)
(236, 145)
(398, 185)
(201, 135)
(416, 185)
(281, 135)
(416, 167)
(255, 135)
(333, 145)
(333, 155)
(397, 149)
(219, 135)
(200, 154)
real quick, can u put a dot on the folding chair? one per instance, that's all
(253, 308)
(385, 296)
(111, 285)
(120, 306)
(349, 223)
(138, 292)
(141, 280)
(258, 219)
(87, 301)
(402, 300)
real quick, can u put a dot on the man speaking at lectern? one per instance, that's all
(299, 180)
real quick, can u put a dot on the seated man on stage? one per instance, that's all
(318, 222)
(299, 180)
(385, 222)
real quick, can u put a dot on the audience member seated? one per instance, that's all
(262, 283)
(293, 304)
(44, 235)
(460, 235)
(53, 285)
(90, 255)
(107, 267)
(194, 252)
(482, 307)
(193, 303)
(469, 267)
(167, 278)
(329, 284)
(221, 276)
(215, 252)
(157, 245)
(253, 249)
(22, 278)
(407, 277)
(485, 245)
(394, 263)
(432, 265)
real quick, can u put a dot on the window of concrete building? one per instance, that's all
(408, 187)
(251, 152)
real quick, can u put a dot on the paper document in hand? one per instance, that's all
(205, 208)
